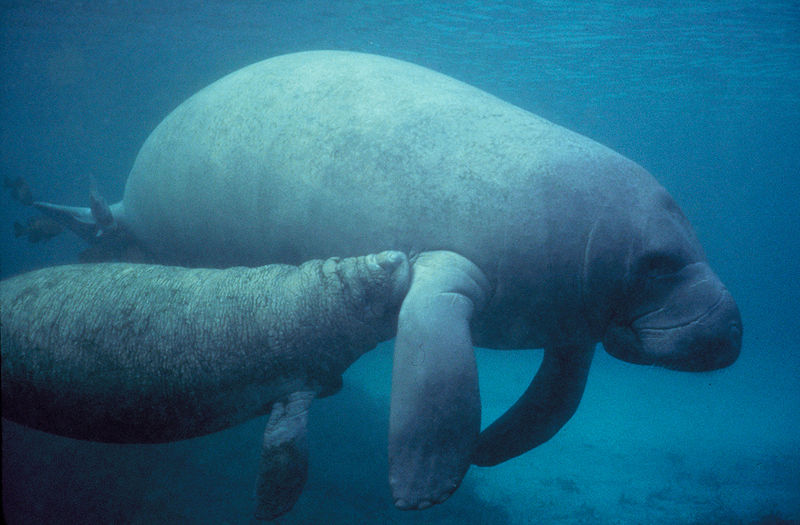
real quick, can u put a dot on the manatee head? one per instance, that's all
(666, 306)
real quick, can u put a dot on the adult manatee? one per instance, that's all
(525, 235)
(131, 353)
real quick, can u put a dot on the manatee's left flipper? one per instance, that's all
(547, 404)
(435, 403)
(284, 457)
(101, 213)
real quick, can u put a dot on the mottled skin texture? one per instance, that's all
(528, 235)
(124, 352)
(132, 353)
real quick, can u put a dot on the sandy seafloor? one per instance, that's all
(705, 95)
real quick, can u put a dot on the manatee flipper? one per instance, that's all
(101, 213)
(284, 456)
(86, 223)
(76, 218)
(547, 404)
(435, 403)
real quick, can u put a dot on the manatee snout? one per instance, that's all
(397, 270)
(712, 342)
(696, 327)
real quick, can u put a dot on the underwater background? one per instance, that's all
(704, 94)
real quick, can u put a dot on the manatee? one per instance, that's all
(522, 234)
(135, 353)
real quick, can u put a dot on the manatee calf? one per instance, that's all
(525, 235)
(132, 353)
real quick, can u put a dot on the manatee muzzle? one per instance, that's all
(675, 336)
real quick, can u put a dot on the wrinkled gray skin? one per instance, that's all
(528, 235)
(131, 353)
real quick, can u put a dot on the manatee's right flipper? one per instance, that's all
(547, 404)
(86, 223)
(284, 457)
(435, 403)
(100, 227)
(79, 220)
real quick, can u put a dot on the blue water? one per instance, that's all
(705, 95)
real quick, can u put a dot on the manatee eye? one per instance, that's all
(660, 264)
